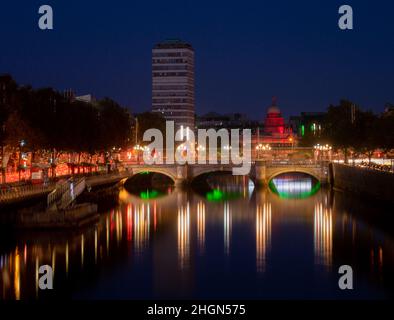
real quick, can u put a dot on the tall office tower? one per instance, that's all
(173, 82)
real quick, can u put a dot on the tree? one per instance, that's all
(148, 120)
(367, 134)
(115, 125)
(46, 120)
(340, 124)
(385, 131)
(8, 94)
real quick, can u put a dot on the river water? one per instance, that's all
(235, 241)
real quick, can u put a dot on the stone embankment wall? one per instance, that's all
(362, 181)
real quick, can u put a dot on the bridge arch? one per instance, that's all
(207, 173)
(164, 171)
(276, 172)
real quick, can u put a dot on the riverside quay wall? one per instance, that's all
(362, 181)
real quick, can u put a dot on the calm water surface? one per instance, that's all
(232, 242)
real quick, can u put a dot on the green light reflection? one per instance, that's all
(294, 195)
(217, 195)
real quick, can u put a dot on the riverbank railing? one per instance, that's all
(10, 194)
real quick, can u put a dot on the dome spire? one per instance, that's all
(273, 109)
(274, 101)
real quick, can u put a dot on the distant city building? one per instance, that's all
(307, 123)
(173, 82)
(69, 94)
(229, 121)
(88, 98)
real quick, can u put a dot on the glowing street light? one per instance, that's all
(200, 148)
(139, 148)
(321, 149)
(262, 147)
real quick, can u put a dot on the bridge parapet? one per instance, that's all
(261, 171)
(268, 170)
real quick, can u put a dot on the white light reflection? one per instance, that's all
(129, 222)
(227, 227)
(82, 250)
(67, 254)
(293, 186)
(201, 226)
(95, 245)
(323, 235)
(183, 236)
(141, 226)
(263, 235)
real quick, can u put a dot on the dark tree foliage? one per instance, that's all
(8, 95)
(45, 119)
(114, 125)
(385, 131)
(149, 120)
(361, 131)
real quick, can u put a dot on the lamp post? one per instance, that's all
(137, 148)
(136, 130)
(199, 149)
(3, 162)
(227, 148)
(21, 145)
(291, 140)
(259, 147)
(321, 152)
(262, 147)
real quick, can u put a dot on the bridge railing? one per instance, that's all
(303, 163)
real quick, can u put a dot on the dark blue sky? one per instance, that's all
(246, 51)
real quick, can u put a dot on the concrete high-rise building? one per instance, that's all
(173, 82)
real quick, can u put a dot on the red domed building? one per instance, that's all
(274, 122)
(276, 133)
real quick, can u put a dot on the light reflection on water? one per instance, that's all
(201, 227)
(263, 235)
(184, 236)
(227, 227)
(290, 186)
(323, 235)
(183, 245)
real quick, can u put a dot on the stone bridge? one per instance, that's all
(261, 172)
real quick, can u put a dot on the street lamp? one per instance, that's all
(227, 148)
(21, 145)
(138, 148)
(320, 150)
(291, 140)
(201, 149)
(260, 147)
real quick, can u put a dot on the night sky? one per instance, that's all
(246, 51)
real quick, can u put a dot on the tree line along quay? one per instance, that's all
(47, 131)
